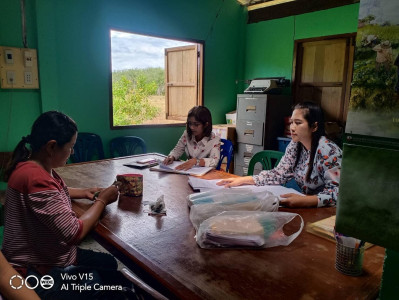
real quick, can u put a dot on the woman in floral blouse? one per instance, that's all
(201, 145)
(311, 159)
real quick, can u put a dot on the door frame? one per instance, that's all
(348, 68)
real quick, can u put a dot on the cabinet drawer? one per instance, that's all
(243, 170)
(245, 153)
(249, 108)
(250, 132)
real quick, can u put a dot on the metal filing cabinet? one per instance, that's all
(260, 120)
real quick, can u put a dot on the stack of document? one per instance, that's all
(204, 185)
(171, 168)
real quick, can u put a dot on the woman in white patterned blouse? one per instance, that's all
(311, 159)
(198, 141)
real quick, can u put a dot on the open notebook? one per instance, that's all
(196, 171)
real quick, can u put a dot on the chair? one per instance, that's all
(226, 150)
(127, 145)
(89, 146)
(268, 158)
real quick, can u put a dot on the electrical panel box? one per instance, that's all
(18, 68)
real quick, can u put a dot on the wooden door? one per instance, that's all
(182, 84)
(323, 72)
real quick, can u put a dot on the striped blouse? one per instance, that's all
(40, 227)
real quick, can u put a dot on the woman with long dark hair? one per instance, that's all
(311, 159)
(200, 144)
(41, 231)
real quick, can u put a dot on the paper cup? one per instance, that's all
(131, 184)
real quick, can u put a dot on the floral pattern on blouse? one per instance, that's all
(324, 180)
(208, 149)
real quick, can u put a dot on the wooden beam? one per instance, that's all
(297, 7)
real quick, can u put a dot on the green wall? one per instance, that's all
(269, 47)
(18, 108)
(72, 39)
(73, 43)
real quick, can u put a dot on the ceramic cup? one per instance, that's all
(130, 184)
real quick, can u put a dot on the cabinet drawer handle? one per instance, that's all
(249, 132)
(251, 108)
(248, 154)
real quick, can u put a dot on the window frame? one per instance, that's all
(200, 82)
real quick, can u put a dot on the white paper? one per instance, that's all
(206, 185)
(171, 168)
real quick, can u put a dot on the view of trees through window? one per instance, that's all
(138, 78)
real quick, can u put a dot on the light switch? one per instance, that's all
(11, 77)
(28, 59)
(18, 68)
(9, 56)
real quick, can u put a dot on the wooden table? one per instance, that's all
(162, 250)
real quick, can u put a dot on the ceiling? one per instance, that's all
(262, 10)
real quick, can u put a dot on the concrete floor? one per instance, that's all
(90, 243)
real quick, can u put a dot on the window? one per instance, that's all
(155, 81)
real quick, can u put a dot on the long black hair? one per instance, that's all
(51, 125)
(313, 114)
(202, 115)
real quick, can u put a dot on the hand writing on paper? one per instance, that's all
(295, 200)
(168, 160)
(187, 165)
(230, 182)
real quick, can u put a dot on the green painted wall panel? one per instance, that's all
(334, 21)
(269, 48)
(17, 107)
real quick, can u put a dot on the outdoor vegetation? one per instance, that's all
(132, 91)
(374, 82)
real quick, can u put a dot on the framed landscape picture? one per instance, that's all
(374, 102)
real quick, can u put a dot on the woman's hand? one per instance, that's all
(77, 193)
(109, 195)
(230, 182)
(91, 216)
(90, 192)
(295, 200)
(168, 160)
(187, 165)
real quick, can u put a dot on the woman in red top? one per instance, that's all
(41, 231)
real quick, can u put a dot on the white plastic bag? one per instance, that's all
(214, 203)
(246, 229)
(220, 195)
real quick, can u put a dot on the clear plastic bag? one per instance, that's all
(220, 195)
(254, 229)
(215, 202)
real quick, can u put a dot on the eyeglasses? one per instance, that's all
(193, 124)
